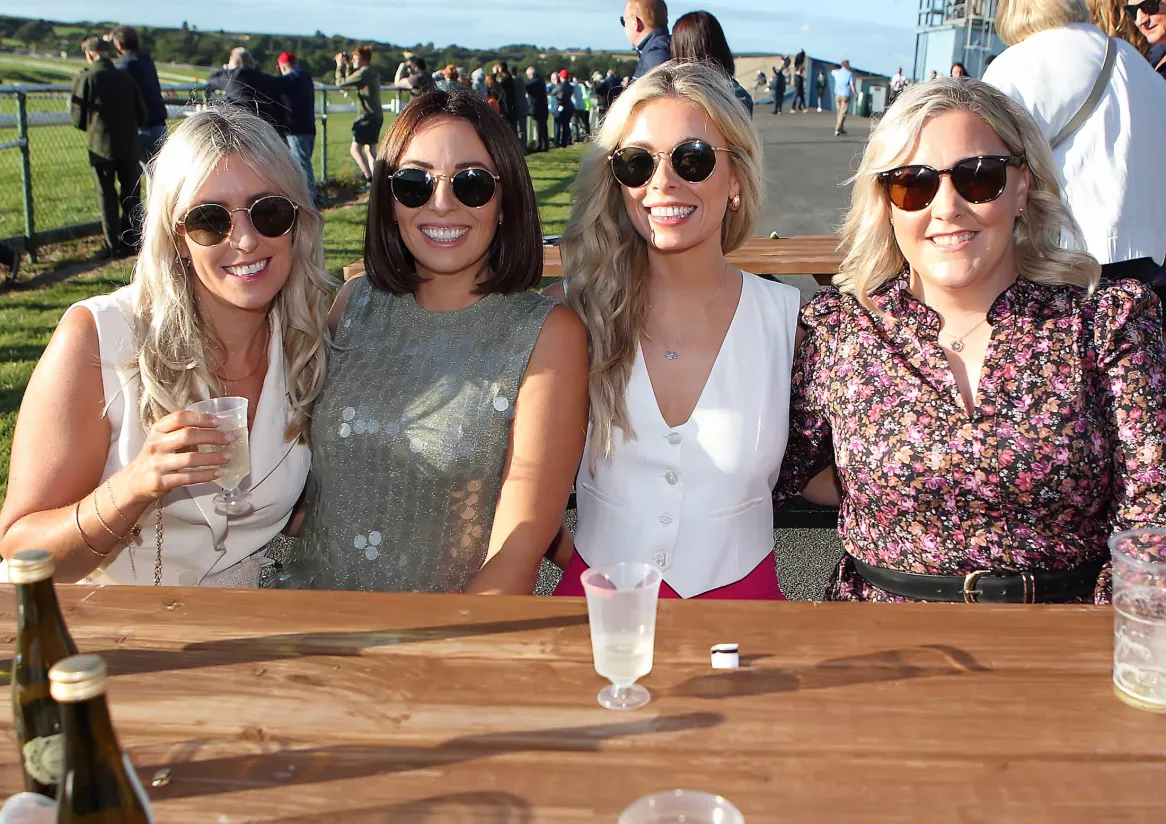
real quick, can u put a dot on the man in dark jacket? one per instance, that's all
(299, 99)
(509, 94)
(109, 106)
(139, 65)
(536, 88)
(645, 22)
(564, 101)
(244, 85)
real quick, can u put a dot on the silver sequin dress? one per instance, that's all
(409, 439)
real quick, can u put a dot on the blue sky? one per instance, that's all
(875, 34)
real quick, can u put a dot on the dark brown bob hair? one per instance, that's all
(515, 253)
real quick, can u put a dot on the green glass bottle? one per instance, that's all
(41, 641)
(99, 785)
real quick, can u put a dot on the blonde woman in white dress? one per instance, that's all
(691, 357)
(229, 298)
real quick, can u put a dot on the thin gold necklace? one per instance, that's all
(957, 344)
(262, 360)
(674, 352)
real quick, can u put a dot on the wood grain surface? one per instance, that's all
(358, 707)
(815, 255)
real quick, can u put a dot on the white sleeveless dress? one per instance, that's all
(200, 546)
(695, 500)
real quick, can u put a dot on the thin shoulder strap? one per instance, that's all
(1094, 96)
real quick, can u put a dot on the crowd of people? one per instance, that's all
(982, 392)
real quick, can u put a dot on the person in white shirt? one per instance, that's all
(229, 298)
(898, 83)
(843, 92)
(1110, 165)
(690, 357)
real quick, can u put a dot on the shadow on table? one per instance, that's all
(287, 768)
(478, 808)
(260, 649)
(929, 661)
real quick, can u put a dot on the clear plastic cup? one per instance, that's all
(682, 807)
(232, 415)
(1139, 618)
(621, 609)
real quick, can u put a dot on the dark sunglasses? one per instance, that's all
(1147, 7)
(209, 224)
(977, 179)
(413, 187)
(692, 160)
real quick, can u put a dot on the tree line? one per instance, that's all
(190, 45)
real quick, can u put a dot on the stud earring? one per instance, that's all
(735, 202)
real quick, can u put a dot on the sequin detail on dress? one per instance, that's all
(409, 439)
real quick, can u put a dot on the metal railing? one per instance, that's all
(47, 193)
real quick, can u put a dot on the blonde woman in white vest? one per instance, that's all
(229, 298)
(690, 357)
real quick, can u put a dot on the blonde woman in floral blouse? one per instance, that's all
(994, 413)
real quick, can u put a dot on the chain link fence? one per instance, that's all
(47, 191)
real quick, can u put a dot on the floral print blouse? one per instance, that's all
(1064, 448)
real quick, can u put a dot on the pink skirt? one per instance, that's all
(759, 585)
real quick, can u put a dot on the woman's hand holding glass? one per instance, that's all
(170, 458)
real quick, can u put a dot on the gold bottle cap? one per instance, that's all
(30, 566)
(77, 678)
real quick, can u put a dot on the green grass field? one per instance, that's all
(28, 317)
(63, 191)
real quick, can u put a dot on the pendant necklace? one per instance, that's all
(957, 344)
(674, 352)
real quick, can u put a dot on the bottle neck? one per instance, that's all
(38, 613)
(92, 755)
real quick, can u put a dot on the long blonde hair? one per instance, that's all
(605, 259)
(171, 335)
(1018, 20)
(872, 254)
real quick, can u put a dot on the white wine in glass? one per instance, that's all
(621, 609)
(232, 415)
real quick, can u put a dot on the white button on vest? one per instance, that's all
(674, 438)
(672, 477)
(188, 579)
(664, 518)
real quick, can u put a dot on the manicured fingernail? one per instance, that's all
(230, 436)
(216, 472)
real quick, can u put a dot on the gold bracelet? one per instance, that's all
(101, 520)
(121, 515)
(81, 532)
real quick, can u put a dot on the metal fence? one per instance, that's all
(47, 192)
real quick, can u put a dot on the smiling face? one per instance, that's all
(952, 244)
(445, 236)
(669, 212)
(1153, 25)
(246, 270)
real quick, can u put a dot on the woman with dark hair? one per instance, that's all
(698, 37)
(958, 70)
(453, 417)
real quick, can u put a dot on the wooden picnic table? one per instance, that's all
(359, 707)
(814, 255)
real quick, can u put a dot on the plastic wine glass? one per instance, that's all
(682, 807)
(232, 415)
(621, 608)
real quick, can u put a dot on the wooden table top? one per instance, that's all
(815, 255)
(300, 707)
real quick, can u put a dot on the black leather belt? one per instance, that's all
(991, 586)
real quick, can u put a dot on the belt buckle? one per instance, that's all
(971, 594)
